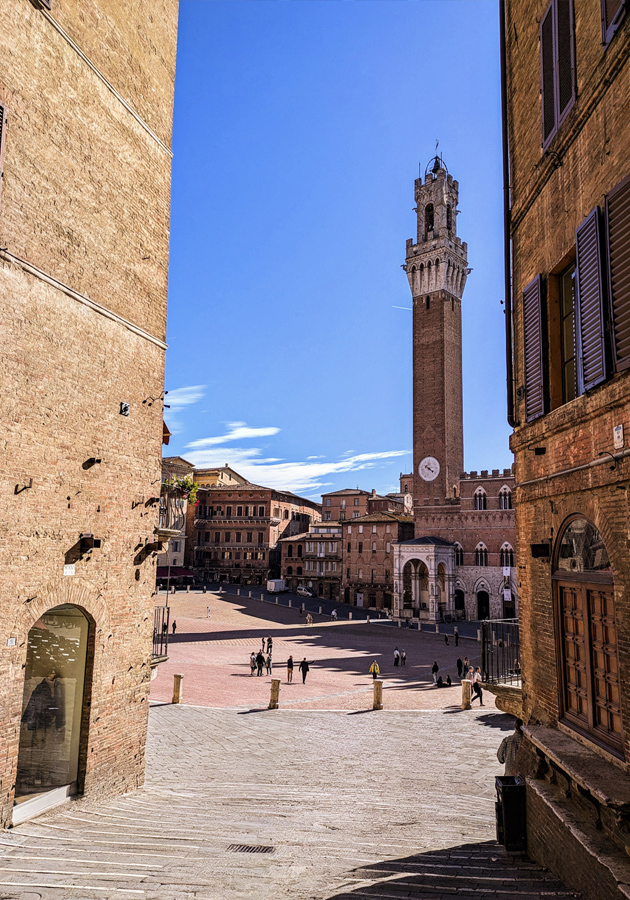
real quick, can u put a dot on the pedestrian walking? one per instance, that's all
(174, 626)
(456, 633)
(466, 667)
(269, 644)
(367, 620)
(252, 662)
(164, 627)
(260, 662)
(403, 657)
(446, 638)
(289, 670)
(375, 670)
(396, 656)
(435, 669)
(207, 612)
(268, 664)
(509, 747)
(460, 667)
(476, 680)
(309, 619)
(333, 615)
(304, 669)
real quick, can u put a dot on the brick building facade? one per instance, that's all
(170, 562)
(86, 101)
(233, 532)
(460, 563)
(566, 92)
(313, 560)
(348, 503)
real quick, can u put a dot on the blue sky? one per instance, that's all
(299, 128)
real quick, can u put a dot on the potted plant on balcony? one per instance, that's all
(184, 486)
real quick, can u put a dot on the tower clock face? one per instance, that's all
(429, 468)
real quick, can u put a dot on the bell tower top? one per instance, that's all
(436, 240)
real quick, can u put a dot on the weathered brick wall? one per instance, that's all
(85, 198)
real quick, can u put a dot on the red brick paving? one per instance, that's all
(213, 656)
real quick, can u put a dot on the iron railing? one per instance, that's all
(500, 651)
(172, 511)
(161, 616)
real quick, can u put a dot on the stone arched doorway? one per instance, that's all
(586, 625)
(53, 733)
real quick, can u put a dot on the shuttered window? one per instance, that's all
(3, 133)
(590, 303)
(534, 347)
(557, 65)
(618, 234)
(613, 12)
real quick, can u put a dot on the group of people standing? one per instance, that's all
(263, 660)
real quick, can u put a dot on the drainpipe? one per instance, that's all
(507, 251)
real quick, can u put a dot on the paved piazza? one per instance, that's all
(323, 798)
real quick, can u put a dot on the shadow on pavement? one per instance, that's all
(475, 871)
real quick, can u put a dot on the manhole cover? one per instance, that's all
(249, 848)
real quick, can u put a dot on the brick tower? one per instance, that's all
(436, 267)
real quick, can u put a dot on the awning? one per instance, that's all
(176, 572)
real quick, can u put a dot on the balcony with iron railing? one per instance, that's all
(172, 513)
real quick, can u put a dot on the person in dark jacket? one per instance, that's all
(304, 669)
(460, 667)
(260, 662)
(45, 708)
(434, 670)
(289, 670)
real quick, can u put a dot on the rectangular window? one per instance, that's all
(356, 515)
(386, 574)
(310, 546)
(309, 565)
(360, 529)
(349, 529)
(356, 501)
(342, 516)
(590, 303)
(373, 546)
(557, 66)
(360, 573)
(321, 548)
(237, 537)
(347, 573)
(387, 529)
(349, 547)
(250, 539)
(360, 547)
(260, 537)
(327, 501)
(613, 12)
(387, 547)
(327, 516)
(373, 529)
(332, 547)
(227, 538)
(343, 504)
(217, 537)
(239, 510)
(206, 536)
(261, 511)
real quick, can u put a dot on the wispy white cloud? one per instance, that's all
(237, 431)
(177, 400)
(303, 477)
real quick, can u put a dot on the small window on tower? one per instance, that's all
(428, 217)
(449, 216)
(428, 302)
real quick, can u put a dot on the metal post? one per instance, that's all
(178, 690)
(275, 693)
(378, 695)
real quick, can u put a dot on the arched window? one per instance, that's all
(428, 217)
(290, 550)
(480, 499)
(459, 554)
(507, 555)
(587, 625)
(299, 550)
(449, 216)
(505, 498)
(299, 570)
(481, 554)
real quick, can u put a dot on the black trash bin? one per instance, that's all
(510, 812)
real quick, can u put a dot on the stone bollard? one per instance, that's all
(250, 594)
(399, 623)
(172, 589)
(378, 695)
(479, 635)
(203, 589)
(320, 610)
(466, 694)
(178, 690)
(289, 601)
(275, 693)
(349, 615)
(188, 589)
(276, 601)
